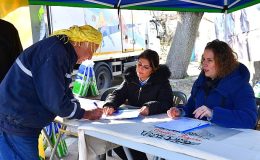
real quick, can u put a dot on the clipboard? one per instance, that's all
(184, 124)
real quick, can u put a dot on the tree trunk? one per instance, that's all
(183, 42)
(256, 76)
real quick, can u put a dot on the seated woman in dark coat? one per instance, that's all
(222, 93)
(145, 86)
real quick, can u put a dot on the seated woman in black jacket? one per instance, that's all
(145, 86)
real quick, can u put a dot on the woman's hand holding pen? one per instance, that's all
(108, 110)
(173, 112)
(202, 111)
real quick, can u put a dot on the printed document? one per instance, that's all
(183, 124)
(123, 114)
(89, 104)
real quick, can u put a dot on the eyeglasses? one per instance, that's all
(139, 64)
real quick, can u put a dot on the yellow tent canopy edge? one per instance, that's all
(7, 6)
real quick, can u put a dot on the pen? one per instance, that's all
(95, 104)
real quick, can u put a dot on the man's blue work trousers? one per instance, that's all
(14, 147)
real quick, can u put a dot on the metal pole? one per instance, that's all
(225, 21)
(49, 21)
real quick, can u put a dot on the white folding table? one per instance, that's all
(141, 134)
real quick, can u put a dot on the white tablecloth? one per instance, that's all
(208, 143)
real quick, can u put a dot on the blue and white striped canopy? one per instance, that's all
(164, 5)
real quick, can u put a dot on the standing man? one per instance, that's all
(10, 46)
(36, 90)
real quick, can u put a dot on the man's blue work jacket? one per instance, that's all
(36, 88)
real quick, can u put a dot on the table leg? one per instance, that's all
(82, 145)
(128, 154)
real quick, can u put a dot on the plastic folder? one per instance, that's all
(183, 124)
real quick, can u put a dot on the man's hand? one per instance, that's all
(108, 111)
(202, 111)
(93, 114)
(144, 111)
(174, 112)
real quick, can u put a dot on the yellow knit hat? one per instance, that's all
(84, 33)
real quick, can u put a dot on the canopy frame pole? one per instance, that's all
(141, 3)
(225, 20)
(97, 2)
(203, 4)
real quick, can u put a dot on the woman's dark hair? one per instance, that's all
(152, 57)
(225, 58)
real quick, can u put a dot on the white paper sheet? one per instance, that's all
(123, 114)
(183, 124)
(89, 104)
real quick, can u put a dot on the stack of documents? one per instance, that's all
(183, 124)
